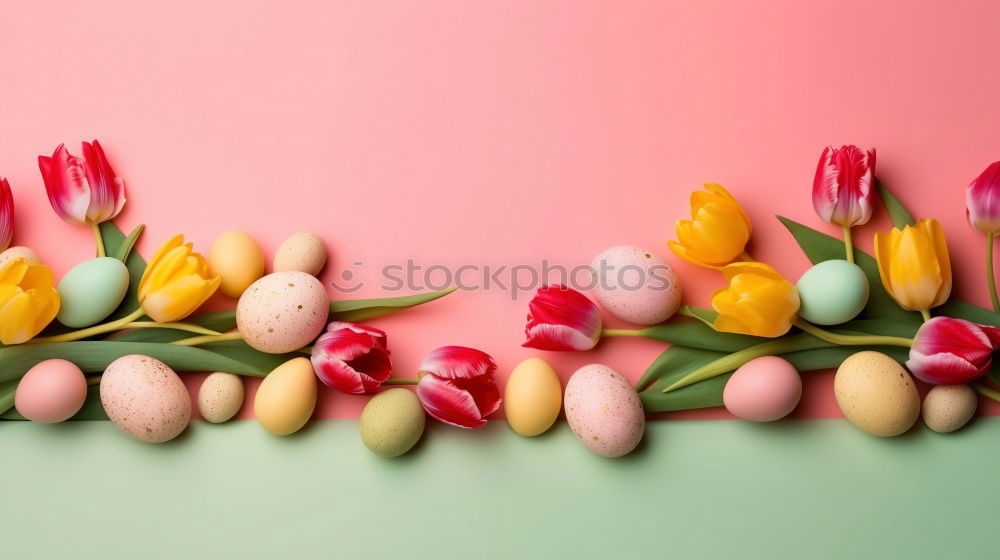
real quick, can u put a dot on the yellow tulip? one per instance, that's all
(176, 282)
(914, 265)
(758, 301)
(28, 300)
(718, 231)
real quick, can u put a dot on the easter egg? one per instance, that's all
(51, 391)
(832, 292)
(145, 398)
(286, 398)
(282, 311)
(17, 252)
(392, 422)
(636, 285)
(533, 397)
(949, 407)
(91, 291)
(876, 394)
(604, 411)
(763, 390)
(220, 397)
(304, 252)
(237, 260)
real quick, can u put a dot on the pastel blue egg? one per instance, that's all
(832, 292)
(91, 291)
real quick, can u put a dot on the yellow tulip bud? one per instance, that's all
(914, 265)
(718, 231)
(28, 300)
(176, 282)
(758, 301)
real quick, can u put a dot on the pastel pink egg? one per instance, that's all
(604, 411)
(52, 391)
(763, 390)
(636, 285)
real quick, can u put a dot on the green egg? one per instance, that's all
(91, 291)
(392, 422)
(832, 292)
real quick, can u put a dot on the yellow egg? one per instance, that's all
(876, 394)
(237, 259)
(533, 397)
(304, 252)
(286, 398)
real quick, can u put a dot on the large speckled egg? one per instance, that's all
(17, 252)
(302, 251)
(876, 394)
(51, 391)
(392, 422)
(832, 292)
(91, 291)
(283, 311)
(532, 397)
(949, 407)
(286, 398)
(220, 397)
(636, 285)
(604, 411)
(237, 260)
(763, 390)
(145, 398)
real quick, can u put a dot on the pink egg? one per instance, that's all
(636, 285)
(604, 411)
(52, 391)
(763, 390)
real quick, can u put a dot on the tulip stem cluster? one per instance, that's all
(848, 244)
(990, 275)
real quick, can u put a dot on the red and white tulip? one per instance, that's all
(6, 214)
(982, 199)
(843, 190)
(949, 351)
(456, 386)
(561, 318)
(82, 190)
(352, 358)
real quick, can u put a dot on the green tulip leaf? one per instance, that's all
(7, 389)
(898, 213)
(354, 311)
(114, 243)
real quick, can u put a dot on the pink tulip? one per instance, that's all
(843, 187)
(948, 351)
(561, 318)
(352, 358)
(456, 386)
(982, 199)
(84, 190)
(6, 214)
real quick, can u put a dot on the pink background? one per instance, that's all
(497, 133)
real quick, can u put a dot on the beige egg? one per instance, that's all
(282, 312)
(532, 397)
(220, 397)
(304, 252)
(145, 398)
(236, 259)
(636, 285)
(286, 398)
(949, 407)
(17, 252)
(604, 411)
(876, 394)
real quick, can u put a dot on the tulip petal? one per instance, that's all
(940, 245)
(460, 402)
(717, 232)
(6, 214)
(352, 358)
(944, 368)
(982, 199)
(66, 184)
(560, 318)
(455, 362)
(842, 187)
(107, 192)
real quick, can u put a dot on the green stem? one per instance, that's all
(686, 311)
(990, 275)
(100, 239)
(199, 340)
(401, 382)
(92, 331)
(986, 391)
(925, 314)
(621, 332)
(853, 340)
(175, 326)
(848, 244)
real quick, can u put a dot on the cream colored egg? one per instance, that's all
(145, 398)
(237, 259)
(304, 252)
(533, 397)
(636, 285)
(17, 252)
(286, 398)
(876, 394)
(282, 312)
(604, 411)
(949, 407)
(220, 397)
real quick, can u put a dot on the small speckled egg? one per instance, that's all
(220, 397)
(533, 397)
(283, 311)
(286, 398)
(949, 407)
(763, 390)
(876, 394)
(304, 252)
(236, 259)
(91, 291)
(636, 285)
(832, 292)
(51, 391)
(145, 398)
(17, 252)
(392, 422)
(604, 411)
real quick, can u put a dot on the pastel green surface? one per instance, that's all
(704, 489)
(91, 290)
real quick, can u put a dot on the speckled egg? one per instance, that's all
(832, 292)
(304, 252)
(17, 252)
(876, 394)
(51, 391)
(949, 407)
(237, 260)
(220, 397)
(636, 285)
(763, 390)
(392, 422)
(604, 411)
(283, 311)
(145, 398)
(532, 397)
(286, 398)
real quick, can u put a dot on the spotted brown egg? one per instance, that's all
(282, 311)
(604, 411)
(145, 398)
(636, 285)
